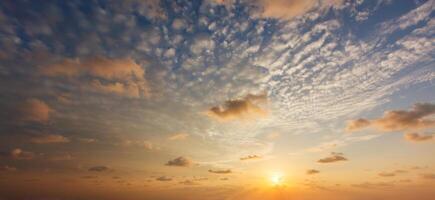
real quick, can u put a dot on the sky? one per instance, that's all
(217, 99)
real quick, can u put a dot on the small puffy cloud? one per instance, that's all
(335, 157)
(357, 124)
(49, 139)
(399, 120)
(179, 24)
(251, 157)
(312, 172)
(202, 43)
(285, 9)
(99, 168)
(18, 154)
(416, 137)
(178, 136)
(123, 76)
(227, 171)
(34, 110)
(247, 107)
(179, 162)
(163, 178)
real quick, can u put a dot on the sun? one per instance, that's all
(276, 179)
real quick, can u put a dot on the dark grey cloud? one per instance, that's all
(179, 162)
(98, 169)
(163, 178)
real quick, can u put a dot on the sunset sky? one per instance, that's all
(217, 100)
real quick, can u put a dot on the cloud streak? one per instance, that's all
(335, 157)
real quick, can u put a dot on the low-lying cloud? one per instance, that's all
(99, 168)
(251, 157)
(335, 157)
(312, 172)
(227, 171)
(179, 162)
(48, 139)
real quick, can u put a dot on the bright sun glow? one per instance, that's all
(276, 179)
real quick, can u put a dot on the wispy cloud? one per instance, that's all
(49, 139)
(227, 171)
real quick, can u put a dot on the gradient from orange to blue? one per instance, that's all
(217, 100)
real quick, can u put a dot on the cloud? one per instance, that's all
(335, 157)
(287, 9)
(416, 137)
(369, 185)
(179, 162)
(357, 124)
(246, 107)
(163, 178)
(228, 171)
(179, 24)
(386, 174)
(312, 172)
(7, 168)
(48, 139)
(34, 110)
(428, 176)
(251, 157)
(399, 120)
(18, 154)
(123, 76)
(178, 136)
(188, 182)
(148, 145)
(99, 168)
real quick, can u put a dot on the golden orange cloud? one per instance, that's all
(46, 139)
(121, 76)
(399, 120)
(416, 137)
(34, 110)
